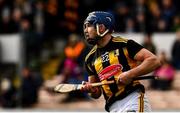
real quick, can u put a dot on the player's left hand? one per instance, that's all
(124, 78)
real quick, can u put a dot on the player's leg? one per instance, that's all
(138, 102)
(135, 102)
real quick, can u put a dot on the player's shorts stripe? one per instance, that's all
(141, 102)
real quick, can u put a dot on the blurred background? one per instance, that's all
(42, 45)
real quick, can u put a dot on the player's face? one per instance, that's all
(90, 34)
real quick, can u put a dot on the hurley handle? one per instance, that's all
(112, 81)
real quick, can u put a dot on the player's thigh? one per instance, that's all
(138, 103)
(135, 102)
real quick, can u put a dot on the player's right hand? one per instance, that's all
(87, 87)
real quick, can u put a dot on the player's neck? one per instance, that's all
(104, 41)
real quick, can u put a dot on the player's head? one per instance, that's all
(96, 19)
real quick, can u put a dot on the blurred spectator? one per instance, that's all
(31, 82)
(148, 43)
(175, 51)
(38, 19)
(31, 40)
(140, 13)
(155, 15)
(168, 12)
(176, 23)
(72, 51)
(51, 19)
(121, 13)
(71, 15)
(162, 26)
(6, 25)
(140, 6)
(130, 26)
(71, 69)
(16, 19)
(8, 91)
(141, 22)
(165, 73)
(24, 6)
(8, 94)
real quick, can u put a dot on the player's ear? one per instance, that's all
(102, 28)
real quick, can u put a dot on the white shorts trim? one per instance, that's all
(136, 101)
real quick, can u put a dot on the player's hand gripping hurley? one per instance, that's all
(104, 74)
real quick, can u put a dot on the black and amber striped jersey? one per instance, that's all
(117, 51)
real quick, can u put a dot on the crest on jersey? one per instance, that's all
(110, 71)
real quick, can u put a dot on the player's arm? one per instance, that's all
(149, 62)
(94, 92)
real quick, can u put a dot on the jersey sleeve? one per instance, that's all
(89, 69)
(133, 48)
